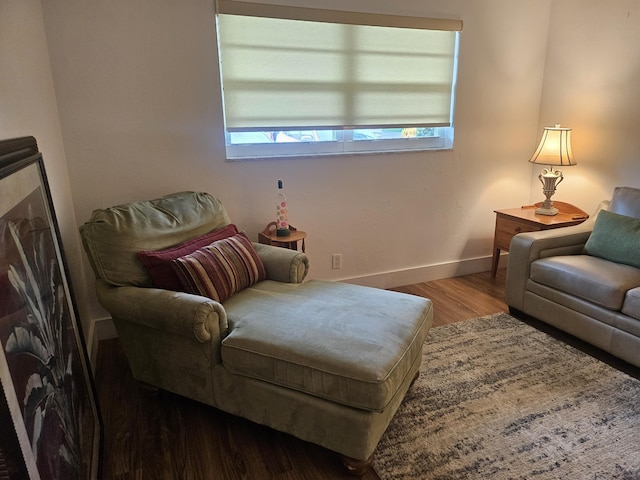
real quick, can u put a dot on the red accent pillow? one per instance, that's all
(158, 263)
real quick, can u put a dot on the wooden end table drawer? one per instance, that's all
(507, 228)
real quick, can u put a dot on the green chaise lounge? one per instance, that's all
(327, 362)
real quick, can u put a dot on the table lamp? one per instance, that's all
(554, 149)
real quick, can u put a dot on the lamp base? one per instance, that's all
(550, 179)
(551, 211)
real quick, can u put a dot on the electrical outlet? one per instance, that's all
(336, 261)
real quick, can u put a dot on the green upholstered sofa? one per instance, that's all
(327, 362)
(584, 279)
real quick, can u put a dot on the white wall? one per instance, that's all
(138, 91)
(592, 84)
(28, 108)
(138, 106)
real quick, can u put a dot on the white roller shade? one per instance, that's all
(285, 68)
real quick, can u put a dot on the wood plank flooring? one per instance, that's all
(158, 436)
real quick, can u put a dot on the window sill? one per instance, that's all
(307, 156)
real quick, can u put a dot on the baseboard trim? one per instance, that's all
(426, 273)
(104, 329)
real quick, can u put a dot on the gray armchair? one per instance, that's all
(324, 361)
(584, 279)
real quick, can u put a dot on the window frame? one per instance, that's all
(343, 144)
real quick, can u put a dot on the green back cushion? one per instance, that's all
(616, 238)
(113, 237)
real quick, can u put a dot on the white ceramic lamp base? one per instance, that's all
(550, 179)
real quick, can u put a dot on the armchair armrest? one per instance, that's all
(176, 312)
(282, 264)
(525, 248)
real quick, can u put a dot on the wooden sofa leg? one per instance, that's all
(415, 378)
(356, 467)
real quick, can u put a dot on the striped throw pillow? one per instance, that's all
(158, 263)
(220, 269)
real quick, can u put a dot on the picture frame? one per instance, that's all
(45, 373)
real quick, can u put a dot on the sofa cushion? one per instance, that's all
(631, 305)
(594, 279)
(616, 238)
(113, 237)
(221, 269)
(350, 344)
(626, 201)
(158, 262)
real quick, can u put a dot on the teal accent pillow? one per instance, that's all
(615, 238)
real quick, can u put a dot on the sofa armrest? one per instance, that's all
(528, 247)
(176, 312)
(283, 264)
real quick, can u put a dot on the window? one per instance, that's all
(302, 81)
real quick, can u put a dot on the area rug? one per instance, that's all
(498, 399)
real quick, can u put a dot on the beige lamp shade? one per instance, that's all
(555, 147)
(554, 150)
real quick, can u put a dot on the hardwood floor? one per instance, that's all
(460, 298)
(158, 435)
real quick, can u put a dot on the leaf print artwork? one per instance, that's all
(48, 396)
(45, 372)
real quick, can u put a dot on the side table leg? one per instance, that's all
(494, 262)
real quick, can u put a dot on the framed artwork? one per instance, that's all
(50, 403)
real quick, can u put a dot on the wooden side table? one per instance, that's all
(269, 237)
(512, 221)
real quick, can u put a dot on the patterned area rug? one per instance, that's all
(498, 399)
